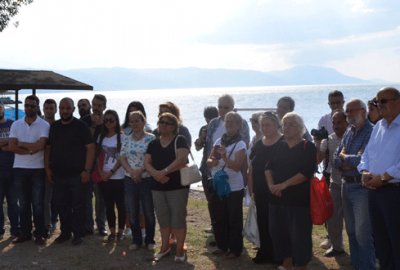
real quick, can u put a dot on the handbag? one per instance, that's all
(190, 173)
(250, 230)
(96, 177)
(321, 203)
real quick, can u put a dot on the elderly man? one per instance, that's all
(380, 165)
(354, 195)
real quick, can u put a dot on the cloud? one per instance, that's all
(359, 6)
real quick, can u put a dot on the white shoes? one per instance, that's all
(133, 247)
(326, 244)
(127, 232)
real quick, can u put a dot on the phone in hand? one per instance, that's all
(217, 155)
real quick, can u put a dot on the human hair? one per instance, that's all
(373, 102)
(238, 119)
(138, 105)
(210, 112)
(288, 99)
(50, 101)
(227, 97)
(101, 97)
(172, 118)
(269, 115)
(258, 115)
(359, 101)
(298, 119)
(33, 97)
(104, 132)
(340, 113)
(173, 108)
(335, 93)
(68, 99)
(85, 100)
(141, 115)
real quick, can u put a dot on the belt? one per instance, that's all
(352, 179)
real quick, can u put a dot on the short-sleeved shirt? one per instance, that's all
(235, 178)
(332, 143)
(109, 148)
(29, 134)
(88, 120)
(128, 131)
(286, 163)
(259, 157)
(6, 157)
(164, 156)
(134, 151)
(68, 151)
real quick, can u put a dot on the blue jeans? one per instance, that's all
(100, 208)
(30, 184)
(358, 225)
(8, 189)
(135, 193)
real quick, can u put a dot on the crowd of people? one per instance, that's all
(49, 171)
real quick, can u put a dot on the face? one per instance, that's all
(110, 121)
(254, 123)
(388, 104)
(224, 107)
(268, 127)
(1, 111)
(231, 125)
(336, 103)
(136, 123)
(339, 125)
(84, 108)
(49, 110)
(355, 114)
(165, 125)
(98, 106)
(66, 110)
(291, 129)
(373, 114)
(31, 108)
(283, 108)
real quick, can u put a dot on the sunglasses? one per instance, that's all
(30, 106)
(111, 120)
(384, 100)
(223, 107)
(165, 123)
(255, 121)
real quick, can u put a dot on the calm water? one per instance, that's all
(311, 101)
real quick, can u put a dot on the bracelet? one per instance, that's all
(112, 171)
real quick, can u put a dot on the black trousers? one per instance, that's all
(114, 195)
(228, 222)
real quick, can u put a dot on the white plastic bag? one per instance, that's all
(250, 230)
(247, 199)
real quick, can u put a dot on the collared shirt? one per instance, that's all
(353, 143)
(332, 143)
(30, 134)
(382, 154)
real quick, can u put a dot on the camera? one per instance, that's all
(320, 134)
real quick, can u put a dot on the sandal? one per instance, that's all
(180, 259)
(159, 256)
(218, 252)
(230, 256)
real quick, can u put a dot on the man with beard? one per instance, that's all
(380, 165)
(8, 187)
(84, 107)
(69, 158)
(28, 137)
(355, 196)
(95, 122)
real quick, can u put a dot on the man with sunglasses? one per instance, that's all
(69, 158)
(28, 137)
(354, 196)
(380, 166)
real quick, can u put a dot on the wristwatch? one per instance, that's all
(383, 178)
(166, 169)
(112, 171)
(87, 170)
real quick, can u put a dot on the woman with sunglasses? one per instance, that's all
(112, 174)
(165, 156)
(373, 112)
(138, 181)
(262, 151)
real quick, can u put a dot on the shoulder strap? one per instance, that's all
(229, 155)
(176, 153)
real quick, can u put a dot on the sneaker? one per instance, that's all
(333, 253)
(77, 241)
(326, 244)
(128, 232)
(103, 232)
(151, 247)
(120, 238)
(110, 238)
(134, 247)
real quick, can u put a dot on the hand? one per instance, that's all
(106, 176)
(277, 189)
(375, 182)
(159, 175)
(222, 151)
(49, 175)
(85, 177)
(214, 162)
(135, 175)
(365, 177)
(342, 154)
(346, 167)
(203, 134)
(360, 152)
(164, 180)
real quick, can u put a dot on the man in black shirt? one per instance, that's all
(68, 159)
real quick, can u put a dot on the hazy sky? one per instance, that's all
(358, 38)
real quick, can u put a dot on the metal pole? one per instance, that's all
(16, 105)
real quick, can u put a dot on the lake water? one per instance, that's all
(311, 101)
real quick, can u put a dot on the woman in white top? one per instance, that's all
(228, 223)
(112, 174)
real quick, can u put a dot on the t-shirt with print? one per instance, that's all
(109, 148)
(6, 157)
(134, 151)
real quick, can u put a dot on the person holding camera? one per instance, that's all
(326, 148)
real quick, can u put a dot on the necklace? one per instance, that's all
(137, 138)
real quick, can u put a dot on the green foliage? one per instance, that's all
(8, 9)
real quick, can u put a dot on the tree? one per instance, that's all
(8, 9)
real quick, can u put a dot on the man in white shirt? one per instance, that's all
(28, 138)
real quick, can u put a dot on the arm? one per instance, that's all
(236, 164)
(134, 174)
(3, 142)
(90, 150)
(246, 132)
(321, 149)
(211, 161)
(107, 175)
(49, 173)
(152, 171)
(34, 147)
(250, 179)
(13, 147)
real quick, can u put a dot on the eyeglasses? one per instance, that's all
(223, 107)
(254, 120)
(353, 110)
(384, 100)
(165, 123)
(111, 120)
(30, 106)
